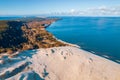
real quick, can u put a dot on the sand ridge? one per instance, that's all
(59, 63)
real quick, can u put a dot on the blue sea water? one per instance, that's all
(10, 18)
(99, 35)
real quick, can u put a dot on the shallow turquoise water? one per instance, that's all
(100, 35)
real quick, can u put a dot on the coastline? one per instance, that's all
(86, 42)
(92, 52)
(47, 24)
(75, 45)
(70, 44)
(60, 62)
(66, 43)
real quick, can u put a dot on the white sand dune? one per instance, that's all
(59, 63)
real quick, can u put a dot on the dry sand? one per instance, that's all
(59, 63)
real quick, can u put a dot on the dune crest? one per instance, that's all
(59, 63)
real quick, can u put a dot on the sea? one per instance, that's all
(98, 35)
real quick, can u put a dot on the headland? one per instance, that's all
(29, 52)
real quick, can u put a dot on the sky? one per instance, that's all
(60, 7)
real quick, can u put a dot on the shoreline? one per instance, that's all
(70, 44)
(92, 52)
(77, 46)
(63, 61)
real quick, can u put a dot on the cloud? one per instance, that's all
(97, 11)
(103, 10)
(72, 10)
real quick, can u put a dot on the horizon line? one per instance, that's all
(41, 15)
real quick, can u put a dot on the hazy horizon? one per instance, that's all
(60, 8)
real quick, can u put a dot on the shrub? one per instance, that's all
(9, 51)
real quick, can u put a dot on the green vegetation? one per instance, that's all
(11, 35)
(3, 26)
(21, 35)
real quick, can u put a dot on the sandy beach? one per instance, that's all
(58, 63)
(59, 39)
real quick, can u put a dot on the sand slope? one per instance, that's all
(60, 63)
